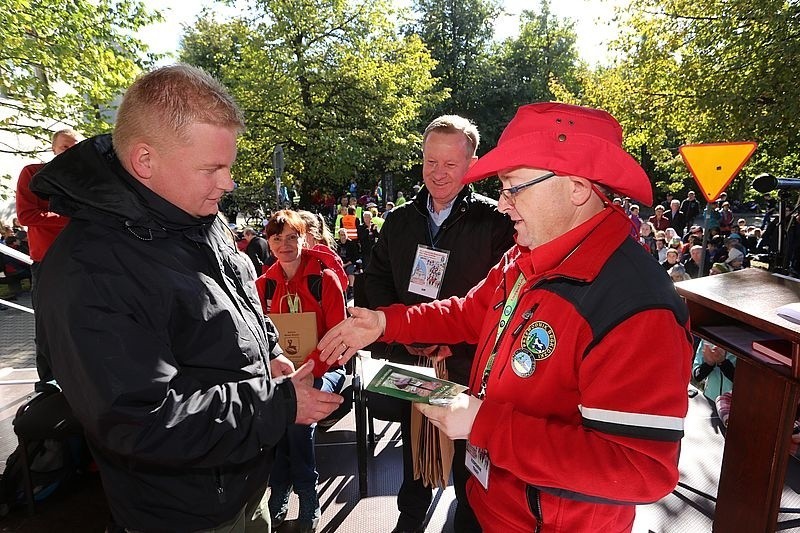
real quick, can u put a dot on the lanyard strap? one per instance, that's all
(292, 302)
(434, 238)
(508, 311)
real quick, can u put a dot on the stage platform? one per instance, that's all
(80, 507)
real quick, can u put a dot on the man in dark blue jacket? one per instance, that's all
(151, 320)
(448, 229)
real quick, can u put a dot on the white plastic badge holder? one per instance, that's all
(428, 271)
(477, 461)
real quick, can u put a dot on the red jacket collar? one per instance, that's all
(308, 267)
(581, 252)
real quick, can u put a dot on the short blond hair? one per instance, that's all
(162, 104)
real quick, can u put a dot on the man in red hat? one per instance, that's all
(564, 428)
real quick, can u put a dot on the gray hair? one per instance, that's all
(67, 132)
(455, 124)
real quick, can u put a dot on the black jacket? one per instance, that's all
(258, 252)
(476, 234)
(155, 334)
(676, 221)
(690, 210)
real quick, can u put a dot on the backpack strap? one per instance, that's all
(315, 286)
(269, 288)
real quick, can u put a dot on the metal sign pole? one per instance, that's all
(277, 166)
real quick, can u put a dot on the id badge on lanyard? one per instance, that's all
(477, 459)
(477, 462)
(427, 273)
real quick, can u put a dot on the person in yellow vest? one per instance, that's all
(377, 220)
(350, 224)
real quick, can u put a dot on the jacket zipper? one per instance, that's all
(220, 488)
(535, 505)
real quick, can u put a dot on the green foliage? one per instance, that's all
(332, 82)
(67, 60)
(488, 81)
(458, 34)
(707, 71)
(542, 55)
(6, 191)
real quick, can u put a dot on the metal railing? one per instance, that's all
(16, 254)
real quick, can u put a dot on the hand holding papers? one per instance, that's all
(455, 419)
(431, 450)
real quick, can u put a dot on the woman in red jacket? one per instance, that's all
(299, 282)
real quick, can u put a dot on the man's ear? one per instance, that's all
(472, 161)
(141, 160)
(580, 190)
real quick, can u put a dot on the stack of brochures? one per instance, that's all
(408, 382)
(431, 450)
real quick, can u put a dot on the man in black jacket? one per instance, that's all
(446, 223)
(690, 208)
(676, 218)
(151, 319)
(257, 249)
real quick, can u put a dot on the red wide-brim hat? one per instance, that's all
(569, 140)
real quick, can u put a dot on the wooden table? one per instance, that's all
(732, 310)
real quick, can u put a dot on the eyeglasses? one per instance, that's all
(280, 239)
(509, 193)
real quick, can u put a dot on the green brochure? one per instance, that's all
(407, 382)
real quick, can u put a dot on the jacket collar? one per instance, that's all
(581, 252)
(460, 202)
(88, 181)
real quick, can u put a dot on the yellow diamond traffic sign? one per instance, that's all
(714, 165)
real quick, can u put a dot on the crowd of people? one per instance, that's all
(676, 237)
(540, 302)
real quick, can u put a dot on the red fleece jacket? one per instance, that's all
(332, 310)
(595, 429)
(33, 212)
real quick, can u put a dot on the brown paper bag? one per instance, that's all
(431, 450)
(298, 334)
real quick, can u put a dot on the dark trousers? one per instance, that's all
(46, 379)
(414, 497)
(295, 462)
(14, 282)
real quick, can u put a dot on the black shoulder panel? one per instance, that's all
(631, 281)
(269, 288)
(315, 287)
